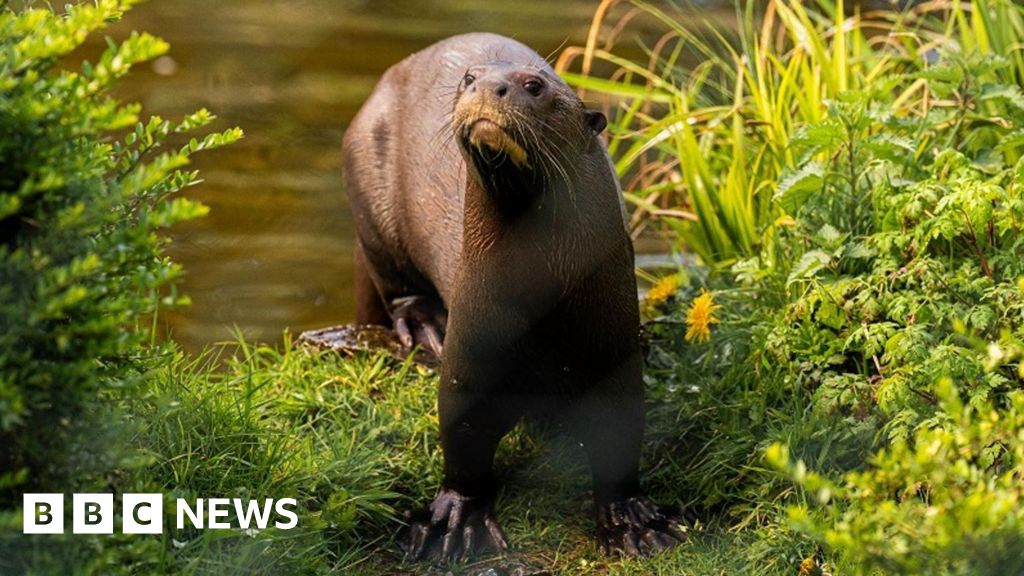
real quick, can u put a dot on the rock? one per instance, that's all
(350, 339)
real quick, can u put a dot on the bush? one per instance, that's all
(853, 182)
(80, 258)
(946, 501)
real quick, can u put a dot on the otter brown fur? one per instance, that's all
(490, 229)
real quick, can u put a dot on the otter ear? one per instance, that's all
(595, 120)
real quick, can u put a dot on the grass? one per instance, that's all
(355, 441)
(350, 440)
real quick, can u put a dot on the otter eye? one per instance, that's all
(534, 87)
(468, 79)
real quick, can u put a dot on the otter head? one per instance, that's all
(521, 129)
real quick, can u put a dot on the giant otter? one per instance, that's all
(491, 230)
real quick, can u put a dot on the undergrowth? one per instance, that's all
(355, 441)
(852, 183)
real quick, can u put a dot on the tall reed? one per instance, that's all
(703, 131)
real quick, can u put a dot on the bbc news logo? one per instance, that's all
(144, 513)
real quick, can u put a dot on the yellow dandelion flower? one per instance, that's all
(809, 567)
(785, 220)
(661, 291)
(700, 317)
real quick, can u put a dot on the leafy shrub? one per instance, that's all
(948, 501)
(895, 327)
(80, 257)
(866, 276)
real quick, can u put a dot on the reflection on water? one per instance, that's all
(275, 251)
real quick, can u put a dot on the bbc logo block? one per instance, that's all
(93, 514)
(143, 513)
(44, 514)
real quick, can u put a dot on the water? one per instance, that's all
(275, 252)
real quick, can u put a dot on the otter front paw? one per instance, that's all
(636, 526)
(456, 527)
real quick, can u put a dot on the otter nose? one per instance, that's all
(497, 86)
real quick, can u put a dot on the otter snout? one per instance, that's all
(495, 105)
(519, 85)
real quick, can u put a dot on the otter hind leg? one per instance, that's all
(420, 320)
(370, 307)
(415, 319)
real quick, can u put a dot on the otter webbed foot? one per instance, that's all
(456, 527)
(420, 320)
(636, 526)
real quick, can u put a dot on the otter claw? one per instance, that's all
(456, 527)
(635, 526)
(417, 320)
(404, 335)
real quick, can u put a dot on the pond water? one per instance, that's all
(275, 251)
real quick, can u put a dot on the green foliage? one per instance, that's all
(947, 501)
(899, 331)
(871, 331)
(352, 440)
(80, 257)
(717, 152)
(355, 440)
(881, 318)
